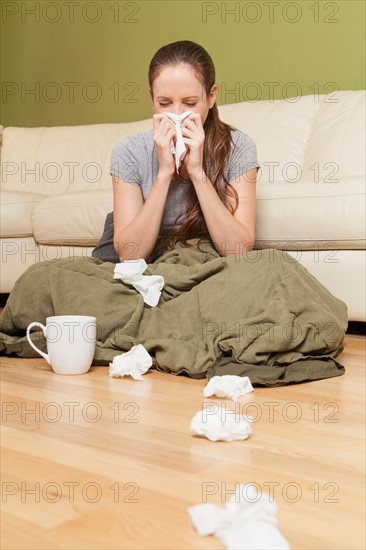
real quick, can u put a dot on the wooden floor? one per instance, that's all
(98, 463)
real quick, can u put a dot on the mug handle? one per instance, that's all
(35, 324)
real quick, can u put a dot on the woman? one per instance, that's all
(264, 317)
(212, 196)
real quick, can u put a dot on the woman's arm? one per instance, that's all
(137, 224)
(231, 234)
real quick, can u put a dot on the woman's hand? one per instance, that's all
(194, 139)
(164, 132)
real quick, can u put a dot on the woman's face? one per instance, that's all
(177, 89)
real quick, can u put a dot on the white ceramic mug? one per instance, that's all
(70, 342)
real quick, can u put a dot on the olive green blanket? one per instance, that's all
(262, 315)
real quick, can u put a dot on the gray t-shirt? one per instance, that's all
(135, 161)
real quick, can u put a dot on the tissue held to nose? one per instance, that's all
(178, 149)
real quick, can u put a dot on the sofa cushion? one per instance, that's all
(336, 148)
(312, 137)
(57, 159)
(72, 218)
(15, 213)
(300, 215)
(280, 130)
(307, 215)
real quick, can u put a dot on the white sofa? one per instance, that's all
(56, 189)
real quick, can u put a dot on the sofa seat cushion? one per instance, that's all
(294, 216)
(307, 215)
(16, 211)
(73, 218)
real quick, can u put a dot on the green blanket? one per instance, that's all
(262, 315)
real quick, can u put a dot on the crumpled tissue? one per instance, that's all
(228, 385)
(221, 425)
(247, 522)
(134, 363)
(178, 149)
(150, 286)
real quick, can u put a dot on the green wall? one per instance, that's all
(87, 61)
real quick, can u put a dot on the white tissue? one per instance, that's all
(178, 149)
(150, 286)
(256, 536)
(133, 363)
(228, 386)
(222, 425)
(247, 522)
(206, 518)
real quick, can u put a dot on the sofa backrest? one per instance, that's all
(321, 138)
(60, 159)
(316, 138)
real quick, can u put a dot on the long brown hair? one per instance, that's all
(218, 140)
